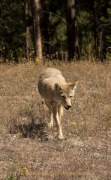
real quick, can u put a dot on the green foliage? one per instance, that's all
(13, 23)
(83, 17)
(109, 10)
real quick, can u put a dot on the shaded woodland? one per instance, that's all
(71, 29)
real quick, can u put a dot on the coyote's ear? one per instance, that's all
(57, 87)
(73, 84)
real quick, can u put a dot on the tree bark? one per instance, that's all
(27, 31)
(77, 52)
(96, 31)
(70, 16)
(45, 25)
(36, 27)
(105, 30)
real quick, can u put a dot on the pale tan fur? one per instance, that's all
(56, 93)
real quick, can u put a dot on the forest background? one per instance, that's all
(69, 35)
(66, 29)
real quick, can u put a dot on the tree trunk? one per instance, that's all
(77, 52)
(36, 27)
(96, 31)
(105, 30)
(45, 25)
(70, 16)
(27, 31)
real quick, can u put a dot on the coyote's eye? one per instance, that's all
(63, 97)
(70, 96)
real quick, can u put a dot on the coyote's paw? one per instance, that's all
(61, 137)
(50, 125)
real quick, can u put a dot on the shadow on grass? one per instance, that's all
(30, 130)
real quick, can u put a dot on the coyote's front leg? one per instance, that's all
(57, 117)
(50, 124)
(60, 111)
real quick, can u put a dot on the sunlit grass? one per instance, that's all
(24, 116)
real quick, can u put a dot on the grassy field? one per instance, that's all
(29, 150)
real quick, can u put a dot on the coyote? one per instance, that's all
(56, 93)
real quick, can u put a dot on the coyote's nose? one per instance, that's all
(68, 107)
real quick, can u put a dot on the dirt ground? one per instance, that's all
(31, 151)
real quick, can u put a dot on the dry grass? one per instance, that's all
(29, 150)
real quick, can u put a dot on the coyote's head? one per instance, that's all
(65, 93)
